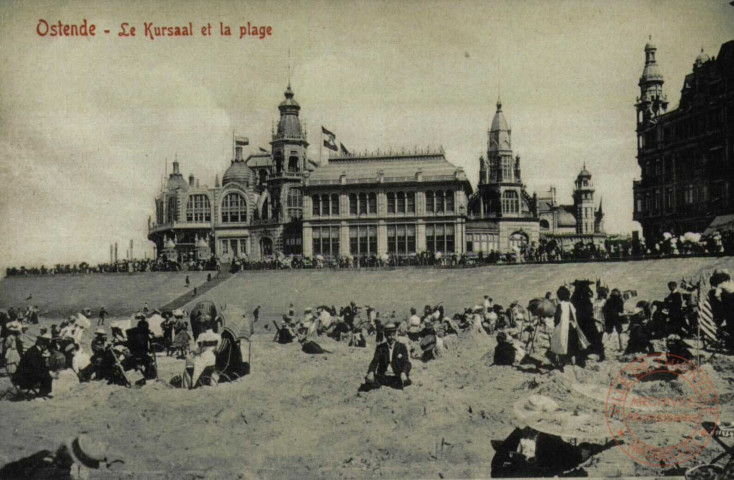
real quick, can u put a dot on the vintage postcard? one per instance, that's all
(367, 239)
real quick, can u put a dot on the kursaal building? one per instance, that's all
(393, 202)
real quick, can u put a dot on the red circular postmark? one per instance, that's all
(658, 408)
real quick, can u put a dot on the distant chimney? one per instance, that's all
(238, 154)
(175, 168)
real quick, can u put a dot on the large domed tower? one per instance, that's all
(290, 161)
(652, 101)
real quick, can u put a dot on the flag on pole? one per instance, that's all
(241, 141)
(706, 317)
(344, 149)
(329, 139)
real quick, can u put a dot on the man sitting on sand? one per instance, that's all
(390, 365)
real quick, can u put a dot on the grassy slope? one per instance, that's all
(121, 294)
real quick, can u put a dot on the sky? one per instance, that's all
(87, 124)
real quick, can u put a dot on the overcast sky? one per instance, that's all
(86, 124)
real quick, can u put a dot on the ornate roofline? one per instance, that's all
(390, 155)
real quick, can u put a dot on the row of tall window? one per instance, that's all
(325, 205)
(362, 203)
(326, 241)
(439, 201)
(510, 202)
(363, 240)
(198, 209)
(400, 202)
(440, 237)
(482, 242)
(401, 239)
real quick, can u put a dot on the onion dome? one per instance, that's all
(169, 244)
(584, 173)
(202, 243)
(651, 71)
(289, 126)
(289, 102)
(701, 58)
(238, 172)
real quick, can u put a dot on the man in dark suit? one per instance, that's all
(390, 365)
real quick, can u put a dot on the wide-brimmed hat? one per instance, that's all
(543, 414)
(87, 451)
(391, 326)
(100, 331)
(477, 308)
(45, 338)
(308, 310)
(14, 326)
(178, 313)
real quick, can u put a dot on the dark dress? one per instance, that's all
(585, 318)
(504, 354)
(33, 372)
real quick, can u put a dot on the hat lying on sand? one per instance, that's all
(87, 451)
(543, 414)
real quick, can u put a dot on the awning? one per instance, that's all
(721, 224)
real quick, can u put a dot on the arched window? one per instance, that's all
(429, 201)
(325, 205)
(293, 164)
(334, 204)
(234, 208)
(352, 204)
(449, 201)
(316, 205)
(390, 202)
(263, 176)
(265, 210)
(544, 224)
(510, 202)
(401, 202)
(507, 169)
(198, 209)
(439, 201)
(362, 203)
(372, 202)
(171, 217)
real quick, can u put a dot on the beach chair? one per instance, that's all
(718, 432)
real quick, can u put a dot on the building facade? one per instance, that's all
(255, 212)
(581, 221)
(685, 154)
(397, 203)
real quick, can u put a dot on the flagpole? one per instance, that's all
(321, 144)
